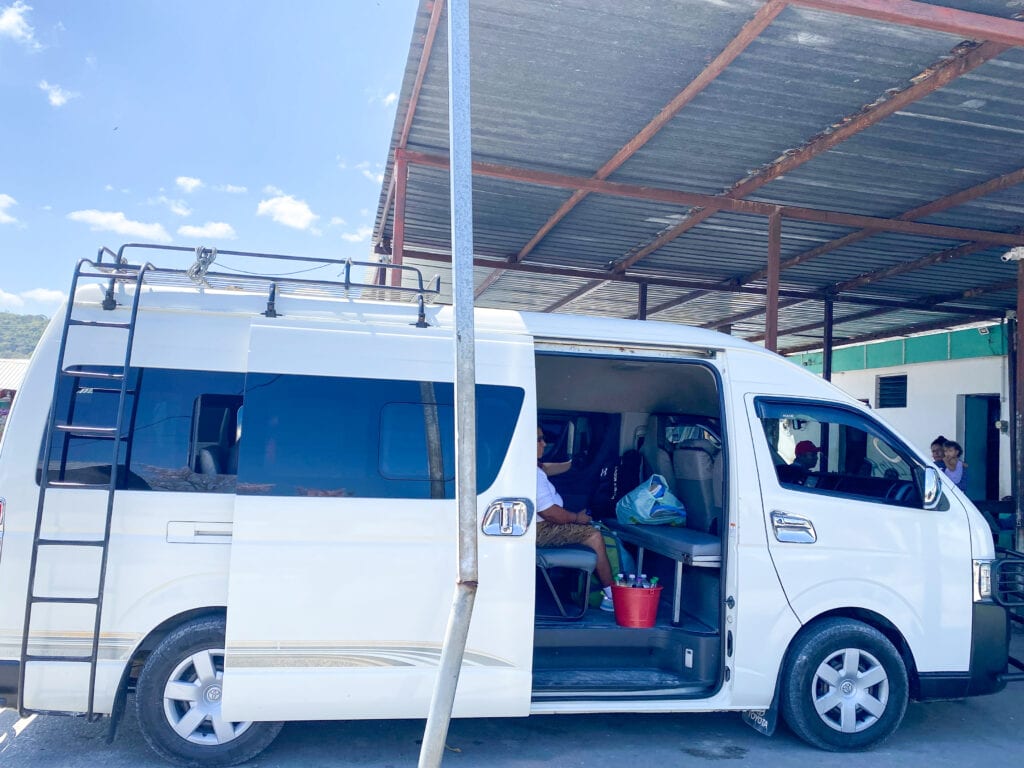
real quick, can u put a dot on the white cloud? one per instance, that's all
(115, 221)
(336, 221)
(360, 235)
(90, 61)
(44, 295)
(48, 298)
(58, 96)
(232, 189)
(14, 24)
(108, 188)
(177, 207)
(214, 230)
(270, 189)
(342, 165)
(9, 301)
(188, 183)
(285, 209)
(384, 99)
(376, 175)
(6, 201)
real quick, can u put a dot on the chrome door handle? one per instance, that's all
(793, 529)
(507, 517)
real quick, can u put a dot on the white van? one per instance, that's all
(276, 539)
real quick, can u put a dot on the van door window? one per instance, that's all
(366, 438)
(832, 450)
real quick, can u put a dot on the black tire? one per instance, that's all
(856, 667)
(179, 687)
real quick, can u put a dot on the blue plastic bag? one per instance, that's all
(651, 503)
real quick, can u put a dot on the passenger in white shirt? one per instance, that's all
(557, 526)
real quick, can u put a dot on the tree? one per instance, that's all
(19, 334)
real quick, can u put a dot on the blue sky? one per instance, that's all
(239, 124)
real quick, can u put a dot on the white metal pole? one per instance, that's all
(459, 136)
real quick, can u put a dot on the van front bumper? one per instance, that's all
(9, 683)
(990, 651)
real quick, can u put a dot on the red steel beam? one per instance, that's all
(950, 201)
(694, 199)
(750, 32)
(583, 290)
(495, 262)
(414, 96)
(867, 278)
(934, 301)
(923, 85)
(400, 173)
(976, 26)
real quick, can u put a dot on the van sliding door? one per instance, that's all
(343, 558)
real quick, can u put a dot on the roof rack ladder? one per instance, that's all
(112, 382)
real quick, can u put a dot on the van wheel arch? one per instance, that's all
(158, 633)
(887, 628)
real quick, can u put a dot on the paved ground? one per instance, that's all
(982, 731)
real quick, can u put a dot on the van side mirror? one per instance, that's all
(932, 488)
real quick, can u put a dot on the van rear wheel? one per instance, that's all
(178, 701)
(844, 686)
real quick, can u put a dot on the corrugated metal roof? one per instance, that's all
(548, 98)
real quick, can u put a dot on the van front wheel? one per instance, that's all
(844, 686)
(178, 701)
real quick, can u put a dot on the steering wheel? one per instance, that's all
(899, 492)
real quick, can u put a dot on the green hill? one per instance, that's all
(20, 333)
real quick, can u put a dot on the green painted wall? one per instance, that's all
(989, 341)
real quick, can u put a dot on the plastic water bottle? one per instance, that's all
(620, 580)
(631, 582)
(644, 583)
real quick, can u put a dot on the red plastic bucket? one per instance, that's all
(635, 607)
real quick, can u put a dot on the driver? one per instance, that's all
(799, 472)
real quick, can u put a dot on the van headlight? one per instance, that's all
(982, 581)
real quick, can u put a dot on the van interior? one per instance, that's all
(610, 423)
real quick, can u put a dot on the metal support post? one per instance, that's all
(826, 348)
(1018, 416)
(771, 299)
(443, 699)
(641, 302)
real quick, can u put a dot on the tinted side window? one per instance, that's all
(368, 438)
(162, 446)
(823, 449)
(158, 420)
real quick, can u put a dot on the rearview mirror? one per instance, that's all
(932, 488)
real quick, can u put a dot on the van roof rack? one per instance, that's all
(119, 270)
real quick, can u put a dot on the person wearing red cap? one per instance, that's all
(806, 455)
(800, 471)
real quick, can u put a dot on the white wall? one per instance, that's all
(932, 405)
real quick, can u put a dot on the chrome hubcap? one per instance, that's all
(192, 699)
(850, 690)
